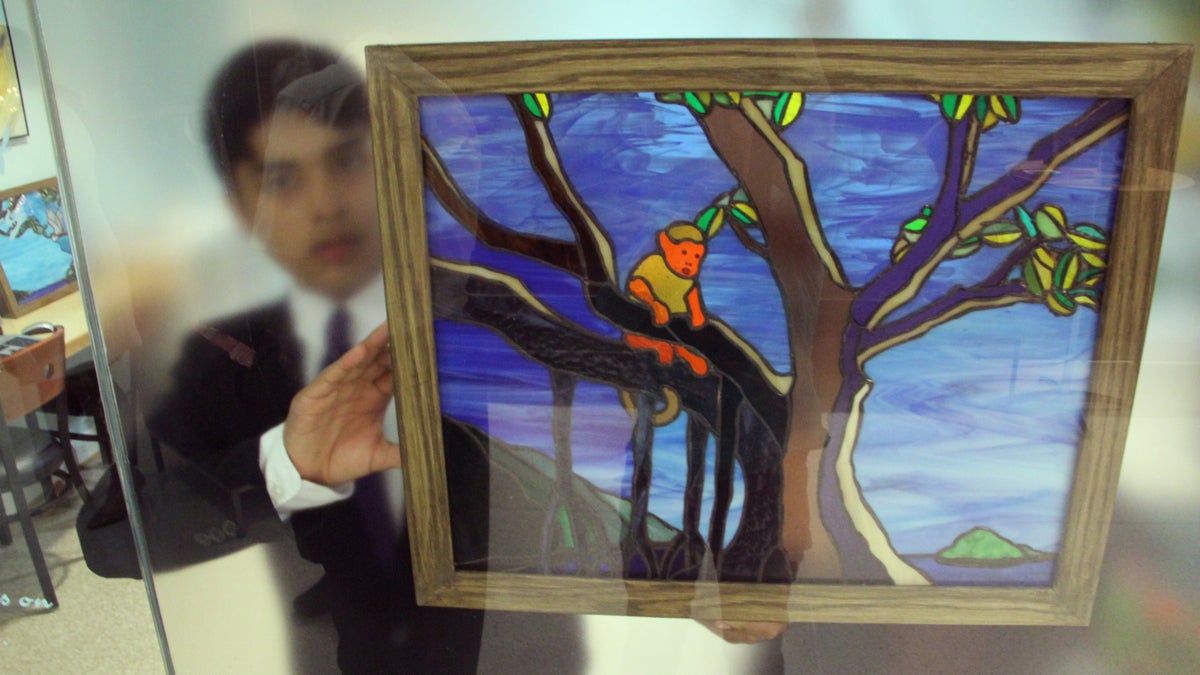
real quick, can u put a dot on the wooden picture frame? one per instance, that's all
(514, 208)
(37, 266)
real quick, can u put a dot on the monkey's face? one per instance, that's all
(683, 257)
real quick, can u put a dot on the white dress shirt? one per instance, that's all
(310, 313)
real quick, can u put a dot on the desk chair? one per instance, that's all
(30, 379)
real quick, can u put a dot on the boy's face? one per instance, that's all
(308, 194)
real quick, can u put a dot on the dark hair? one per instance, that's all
(273, 75)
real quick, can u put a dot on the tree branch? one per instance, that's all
(900, 283)
(1021, 182)
(743, 235)
(554, 252)
(954, 304)
(504, 305)
(796, 172)
(595, 249)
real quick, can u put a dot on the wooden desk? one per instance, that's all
(67, 312)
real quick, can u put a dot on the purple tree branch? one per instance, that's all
(898, 284)
(942, 222)
(1023, 180)
(957, 302)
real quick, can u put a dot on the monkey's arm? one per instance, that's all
(642, 291)
(695, 307)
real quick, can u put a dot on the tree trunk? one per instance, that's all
(865, 551)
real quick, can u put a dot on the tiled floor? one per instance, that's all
(101, 625)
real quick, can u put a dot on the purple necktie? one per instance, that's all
(370, 494)
(337, 336)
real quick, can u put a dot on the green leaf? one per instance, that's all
(1029, 274)
(966, 248)
(1050, 221)
(787, 108)
(1067, 270)
(537, 104)
(1001, 233)
(956, 106)
(698, 101)
(722, 99)
(1088, 238)
(670, 97)
(743, 212)
(1086, 297)
(918, 224)
(1009, 108)
(1060, 303)
(949, 105)
(707, 217)
(1026, 221)
(1088, 274)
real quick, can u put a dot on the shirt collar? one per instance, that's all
(311, 311)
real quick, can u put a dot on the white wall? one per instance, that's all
(31, 158)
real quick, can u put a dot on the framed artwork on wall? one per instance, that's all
(769, 330)
(36, 263)
(12, 108)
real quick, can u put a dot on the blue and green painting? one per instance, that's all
(771, 336)
(35, 250)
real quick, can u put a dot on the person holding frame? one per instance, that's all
(288, 131)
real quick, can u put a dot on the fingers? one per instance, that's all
(365, 361)
(745, 632)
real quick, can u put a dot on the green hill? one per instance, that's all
(982, 546)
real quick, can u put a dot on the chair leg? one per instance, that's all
(5, 533)
(31, 540)
(64, 433)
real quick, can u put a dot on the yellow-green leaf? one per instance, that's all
(1060, 303)
(1050, 221)
(1032, 280)
(1007, 108)
(710, 220)
(1088, 238)
(1001, 239)
(1045, 258)
(1066, 271)
(787, 108)
(744, 212)
(1001, 233)
(538, 104)
(966, 248)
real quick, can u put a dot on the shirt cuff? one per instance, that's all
(288, 491)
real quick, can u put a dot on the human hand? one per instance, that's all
(745, 632)
(334, 428)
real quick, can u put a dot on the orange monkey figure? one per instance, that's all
(666, 281)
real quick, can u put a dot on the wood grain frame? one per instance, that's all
(1153, 77)
(10, 304)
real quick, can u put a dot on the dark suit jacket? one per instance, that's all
(235, 380)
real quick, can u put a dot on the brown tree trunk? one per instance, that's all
(817, 310)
